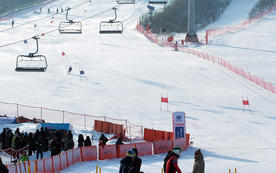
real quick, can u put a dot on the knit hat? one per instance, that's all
(130, 153)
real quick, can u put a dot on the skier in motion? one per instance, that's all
(170, 161)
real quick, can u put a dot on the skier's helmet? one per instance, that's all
(177, 150)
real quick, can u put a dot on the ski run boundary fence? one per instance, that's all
(132, 131)
(91, 153)
(158, 39)
(226, 30)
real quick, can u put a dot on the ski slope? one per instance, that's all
(126, 75)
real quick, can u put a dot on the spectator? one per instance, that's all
(3, 168)
(80, 140)
(119, 141)
(87, 141)
(199, 164)
(55, 147)
(31, 142)
(170, 161)
(137, 161)
(103, 140)
(127, 163)
(39, 146)
(69, 141)
(46, 138)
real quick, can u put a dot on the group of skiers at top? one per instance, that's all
(132, 163)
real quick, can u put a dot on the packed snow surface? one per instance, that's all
(126, 75)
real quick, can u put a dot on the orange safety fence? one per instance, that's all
(108, 127)
(144, 148)
(107, 152)
(89, 153)
(239, 71)
(162, 146)
(122, 149)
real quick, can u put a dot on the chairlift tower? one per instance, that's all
(191, 35)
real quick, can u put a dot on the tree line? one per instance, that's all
(174, 17)
(7, 6)
(261, 6)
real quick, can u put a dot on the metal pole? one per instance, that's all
(17, 109)
(63, 116)
(85, 122)
(40, 112)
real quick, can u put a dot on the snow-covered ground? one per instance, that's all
(126, 75)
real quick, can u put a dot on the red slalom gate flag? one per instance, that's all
(63, 54)
(164, 100)
(245, 102)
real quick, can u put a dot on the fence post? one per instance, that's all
(62, 116)
(85, 122)
(16, 109)
(41, 112)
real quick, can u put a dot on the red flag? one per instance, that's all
(245, 102)
(63, 54)
(165, 100)
(42, 34)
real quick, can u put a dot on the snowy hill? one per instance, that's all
(126, 75)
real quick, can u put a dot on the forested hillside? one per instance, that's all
(261, 6)
(174, 17)
(7, 6)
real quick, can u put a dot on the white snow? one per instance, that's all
(127, 74)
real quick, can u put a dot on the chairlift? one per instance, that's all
(125, 1)
(111, 26)
(158, 1)
(70, 27)
(31, 62)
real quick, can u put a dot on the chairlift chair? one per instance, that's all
(111, 26)
(69, 26)
(125, 1)
(158, 1)
(31, 62)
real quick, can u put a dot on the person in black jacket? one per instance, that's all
(137, 161)
(39, 145)
(31, 142)
(80, 140)
(3, 168)
(127, 163)
(119, 141)
(55, 147)
(87, 141)
(103, 140)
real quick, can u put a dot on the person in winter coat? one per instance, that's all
(127, 163)
(3, 168)
(199, 164)
(31, 142)
(170, 161)
(80, 140)
(103, 140)
(119, 141)
(69, 141)
(39, 145)
(137, 161)
(55, 147)
(87, 141)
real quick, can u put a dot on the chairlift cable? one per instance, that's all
(40, 18)
(89, 17)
